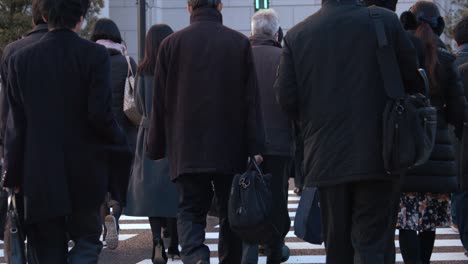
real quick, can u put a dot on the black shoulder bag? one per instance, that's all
(251, 206)
(409, 121)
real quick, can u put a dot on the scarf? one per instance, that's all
(112, 45)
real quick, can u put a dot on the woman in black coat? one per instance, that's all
(425, 204)
(151, 192)
(106, 33)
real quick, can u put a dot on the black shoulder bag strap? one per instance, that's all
(386, 57)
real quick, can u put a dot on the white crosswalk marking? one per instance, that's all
(448, 246)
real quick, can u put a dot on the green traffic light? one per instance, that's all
(259, 4)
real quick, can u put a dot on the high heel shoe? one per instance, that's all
(173, 253)
(159, 253)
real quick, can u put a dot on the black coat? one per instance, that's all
(119, 73)
(60, 126)
(439, 174)
(278, 126)
(32, 37)
(329, 80)
(206, 100)
(464, 76)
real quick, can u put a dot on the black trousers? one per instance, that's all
(196, 194)
(359, 221)
(48, 240)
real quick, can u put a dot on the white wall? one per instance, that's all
(236, 14)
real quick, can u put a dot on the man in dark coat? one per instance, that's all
(329, 80)
(40, 28)
(279, 150)
(206, 107)
(59, 132)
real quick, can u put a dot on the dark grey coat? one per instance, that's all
(150, 191)
(334, 88)
(462, 55)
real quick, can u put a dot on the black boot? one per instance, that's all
(159, 253)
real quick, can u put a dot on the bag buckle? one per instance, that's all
(244, 183)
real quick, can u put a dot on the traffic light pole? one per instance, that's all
(141, 28)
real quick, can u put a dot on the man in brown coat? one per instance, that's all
(206, 109)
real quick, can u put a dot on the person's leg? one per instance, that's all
(249, 253)
(373, 220)
(195, 192)
(279, 167)
(462, 217)
(85, 229)
(159, 252)
(335, 207)
(409, 246)
(47, 242)
(456, 197)
(230, 245)
(173, 250)
(426, 245)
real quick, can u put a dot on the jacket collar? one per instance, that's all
(206, 14)
(39, 28)
(264, 41)
(342, 2)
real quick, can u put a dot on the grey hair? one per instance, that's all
(265, 22)
(203, 3)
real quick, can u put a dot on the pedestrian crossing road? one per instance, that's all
(135, 244)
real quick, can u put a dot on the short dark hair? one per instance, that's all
(461, 31)
(36, 13)
(106, 29)
(203, 3)
(389, 4)
(64, 13)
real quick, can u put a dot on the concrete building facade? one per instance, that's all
(236, 14)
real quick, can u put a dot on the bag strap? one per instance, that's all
(130, 70)
(389, 69)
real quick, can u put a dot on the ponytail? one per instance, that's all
(429, 39)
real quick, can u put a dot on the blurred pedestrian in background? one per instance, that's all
(106, 33)
(151, 191)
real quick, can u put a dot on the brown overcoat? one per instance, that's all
(206, 104)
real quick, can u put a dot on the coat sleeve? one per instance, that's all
(3, 101)
(286, 84)
(156, 141)
(255, 125)
(464, 76)
(15, 132)
(100, 102)
(454, 97)
(408, 62)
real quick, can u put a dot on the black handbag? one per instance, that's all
(463, 158)
(251, 205)
(409, 121)
(14, 236)
(308, 221)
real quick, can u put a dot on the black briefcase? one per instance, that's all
(251, 206)
(308, 222)
(14, 235)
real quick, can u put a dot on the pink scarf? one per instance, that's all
(112, 45)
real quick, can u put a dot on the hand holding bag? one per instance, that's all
(251, 206)
(129, 106)
(14, 234)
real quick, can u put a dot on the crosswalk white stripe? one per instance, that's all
(320, 259)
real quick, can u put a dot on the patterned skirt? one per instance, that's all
(424, 211)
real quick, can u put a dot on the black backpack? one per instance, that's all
(251, 206)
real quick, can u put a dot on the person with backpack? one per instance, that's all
(425, 204)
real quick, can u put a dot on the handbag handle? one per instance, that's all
(254, 164)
